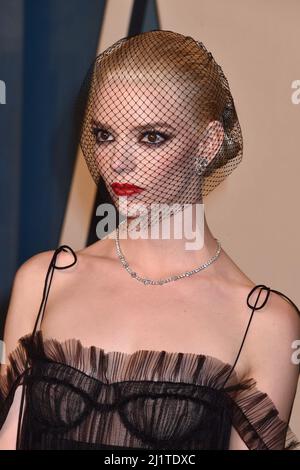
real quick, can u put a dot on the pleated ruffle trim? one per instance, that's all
(254, 415)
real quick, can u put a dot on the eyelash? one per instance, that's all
(96, 130)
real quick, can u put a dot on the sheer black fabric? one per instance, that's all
(77, 397)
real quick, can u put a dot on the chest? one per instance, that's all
(121, 314)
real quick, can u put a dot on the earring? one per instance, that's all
(200, 164)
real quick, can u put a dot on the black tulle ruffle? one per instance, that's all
(83, 397)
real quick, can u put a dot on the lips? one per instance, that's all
(125, 189)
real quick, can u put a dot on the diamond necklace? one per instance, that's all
(160, 282)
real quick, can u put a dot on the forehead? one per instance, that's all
(123, 100)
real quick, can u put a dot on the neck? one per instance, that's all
(167, 254)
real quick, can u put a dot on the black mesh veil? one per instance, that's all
(160, 125)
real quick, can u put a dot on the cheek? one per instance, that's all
(169, 174)
(159, 169)
(103, 162)
(174, 161)
(174, 154)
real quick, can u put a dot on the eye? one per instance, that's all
(152, 137)
(101, 134)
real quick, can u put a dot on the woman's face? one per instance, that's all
(147, 136)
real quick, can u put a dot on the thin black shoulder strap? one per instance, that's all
(255, 307)
(46, 290)
(48, 280)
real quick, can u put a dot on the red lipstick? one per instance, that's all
(125, 189)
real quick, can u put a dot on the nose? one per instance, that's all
(122, 162)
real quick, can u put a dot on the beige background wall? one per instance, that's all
(255, 211)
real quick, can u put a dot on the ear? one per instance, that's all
(212, 140)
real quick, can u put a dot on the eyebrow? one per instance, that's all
(140, 127)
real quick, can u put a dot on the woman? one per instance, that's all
(150, 342)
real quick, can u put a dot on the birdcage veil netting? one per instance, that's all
(159, 115)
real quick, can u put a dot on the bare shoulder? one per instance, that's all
(278, 315)
(269, 348)
(26, 296)
(31, 273)
(276, 324)
(29, 277)
(282, 315)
